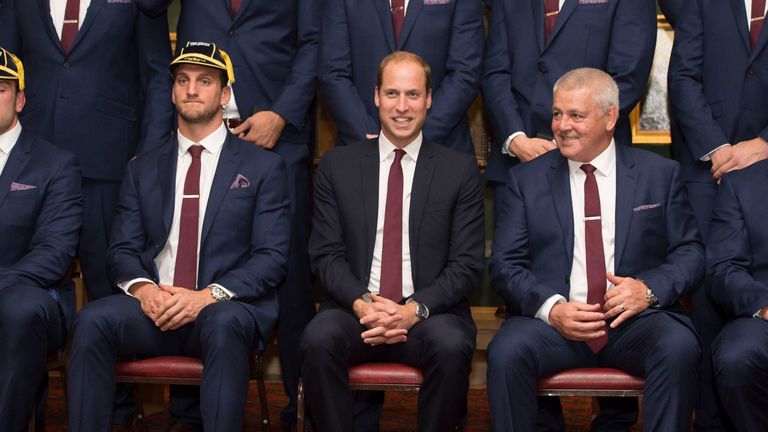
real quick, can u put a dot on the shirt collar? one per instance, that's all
(604, 163)
(212, 143)
(8, 139)
(386, 148)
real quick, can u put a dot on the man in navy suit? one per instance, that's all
(40, 217)
(76, 53)
(718, 101)
(594, 245)
(397, 241)
(532, 43)
(357, 35)
(199, 245)
(737, 259)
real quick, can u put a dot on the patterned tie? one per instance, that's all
(398, 16)
(596, 279)
(185, 273)
(551, 9)
(392, 249)
(756, 23)
(234, 7)
(71, 24)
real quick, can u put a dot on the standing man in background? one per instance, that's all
(357, 35)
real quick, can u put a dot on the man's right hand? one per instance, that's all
(152, 298)
(578, 321)
(529, 148)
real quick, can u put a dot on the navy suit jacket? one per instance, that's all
(357, 35)
(737, 250)
(520, 69)
(105, 100)
(671, 10)
(273, 46)
(245, 232)
(718, 85)
(446, 225)
(656, 239)
(40, 218)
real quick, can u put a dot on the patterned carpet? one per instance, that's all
(398, 416)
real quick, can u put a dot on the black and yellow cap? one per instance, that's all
(204, 54)
(11, 67)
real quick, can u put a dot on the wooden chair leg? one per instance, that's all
(300, 407)
(139, 403)
(262, 394)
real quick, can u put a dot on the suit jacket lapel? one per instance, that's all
(90, 18)
(567, 10)
(385, 16)
(537, 9)
(740, 15)
(422, 179)
(17, 160)
(412, 14)
(243, 6)
(226, 170)
(369, 176)
(44, 7)
(626, 187)
(559, 184)
(166, 164)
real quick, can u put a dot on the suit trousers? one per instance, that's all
(31, 328)
(442, 346)
(659, 346)
(739, 358)
(223, 336)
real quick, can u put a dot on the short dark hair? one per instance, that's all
(403, 56)
(223, 79)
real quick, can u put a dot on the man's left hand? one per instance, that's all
(744, 154)
(626, 299)
(183, 306)
(262, 129)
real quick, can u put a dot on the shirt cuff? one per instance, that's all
(125, 286)
(543, 312)
(708, 156)
(229, 293)
(505, 147)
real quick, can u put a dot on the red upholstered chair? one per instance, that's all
(180, 370)
(374, 376)
(591, 382)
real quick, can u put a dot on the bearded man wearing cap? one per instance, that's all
(199, 245)
(40, 217)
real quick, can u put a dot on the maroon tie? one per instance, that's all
(392, 249)
(185, 273)
(234, 6)
(596, 279)
(756, 23)
(71, 24)
(551, 9)
(398, 16)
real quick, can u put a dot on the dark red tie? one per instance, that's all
(551, 9)
(234, 6)
(71, 24)
(392, 249)
(593, 236)
(185, 273)
(756, 23)
(398, 16)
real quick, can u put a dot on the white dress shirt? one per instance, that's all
(58, 7)
(605, 174)
(209, 160)
(386, 158)
(7, 141)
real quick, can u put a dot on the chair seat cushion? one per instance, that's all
(385, 373)
(164, 366)
(592, 378)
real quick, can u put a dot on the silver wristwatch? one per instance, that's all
(422, 311)
(651, 297)
(219, 294)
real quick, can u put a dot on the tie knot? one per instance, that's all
(399, 153)
(195, 151)
(588, 168)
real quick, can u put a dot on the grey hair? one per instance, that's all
(605, 91)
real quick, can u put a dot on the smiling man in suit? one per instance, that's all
(397, 242)
(199, 245)
(40, 216)
(594, 245)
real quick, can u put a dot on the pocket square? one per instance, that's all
(240, 182)
(119, 1)
(15, 187)
(436, 2)
(646, 207)
(589, 2)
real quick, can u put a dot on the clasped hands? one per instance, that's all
(579, 321)
(171, 307)
(387, 322)
(737, 156)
